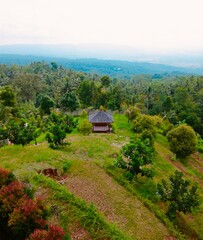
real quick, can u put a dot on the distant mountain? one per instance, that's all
(107, 52)
(113, 68)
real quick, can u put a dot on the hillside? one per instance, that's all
(91, 179)
(113, 68)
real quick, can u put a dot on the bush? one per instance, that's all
(20, 214)
(132, 112)
(26, 216)
(147, 134)
(56, 136)
(182, 140)
(9, 196)
(134, 156)
(200, 144)
(180, 195)
(85, 127)
(6, 177)
(54, 232)
(145, 122)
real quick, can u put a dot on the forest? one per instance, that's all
(41, 86)
(60, 181)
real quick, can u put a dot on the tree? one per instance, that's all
(134, 156)
(167, 104)
(46, 104)
(179, 193)
(7, 97)
(105, 81)
(7, 104)
(182, 140)
(86, 92)
(20, 132)
(116, 96)
(132, 112)
(58, 126)
(56, 136)
(145, 122)
(70, 101)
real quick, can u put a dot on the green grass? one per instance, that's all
(99, 149)
(88, 216)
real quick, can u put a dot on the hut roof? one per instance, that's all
(100, 117)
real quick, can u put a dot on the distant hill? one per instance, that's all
(113, 68)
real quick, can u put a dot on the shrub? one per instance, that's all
(85, 127)
(180, 195)
(144, 122)
(27, 216)
(147, 134)
(56, 137)
(134, 156)
(132, 112)
(200, 144)
(54, 232)
(9, 196)
(20, 214)
(182, 140)
(6, 177)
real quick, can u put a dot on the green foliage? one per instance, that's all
(69, 101)
(56, 136)
(200, 144)
(105, 81)
(66, 166)
(84, 114)
(58, 126)
(7, 97)
(85, 127)
(144, 122)
(167, 104)
(20, 132)
(8, 108)
(148, 134)
(180, 195)
(87, 90)
(46, 103)
(132, 112)
(116, 96)
(139, 194)
(134, 156)
(182, 140)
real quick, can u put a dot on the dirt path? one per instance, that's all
(93, 184)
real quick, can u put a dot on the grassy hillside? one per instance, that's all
(95, 201)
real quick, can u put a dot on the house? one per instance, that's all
(101, 121)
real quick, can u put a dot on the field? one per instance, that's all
(95, 201)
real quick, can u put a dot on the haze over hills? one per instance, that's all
(116, 61)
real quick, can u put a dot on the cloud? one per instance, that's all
(146, 24)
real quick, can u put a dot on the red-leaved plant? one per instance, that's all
(54, 232)
(28, 215)
(6, 177)
(21, 216)
(9, 196)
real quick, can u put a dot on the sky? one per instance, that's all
(154, 25)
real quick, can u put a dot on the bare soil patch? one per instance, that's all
(93, 184)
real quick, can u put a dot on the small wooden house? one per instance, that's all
(101, 121)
